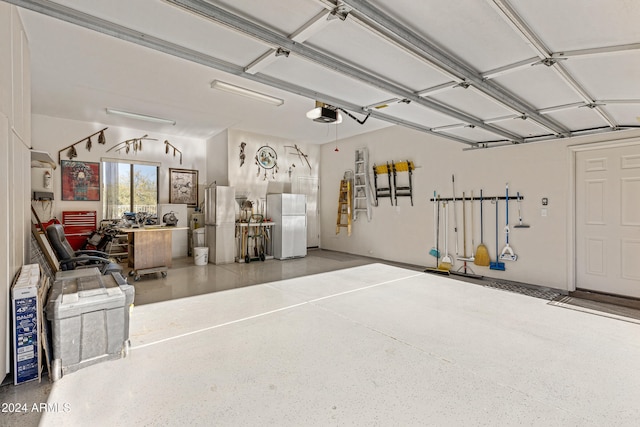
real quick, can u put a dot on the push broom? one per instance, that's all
(464, 269)
(507, 253)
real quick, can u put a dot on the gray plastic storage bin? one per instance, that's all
(89, 315)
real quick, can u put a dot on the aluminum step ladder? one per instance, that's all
(361, 187)
(344, 207)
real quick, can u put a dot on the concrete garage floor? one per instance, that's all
(370, 344)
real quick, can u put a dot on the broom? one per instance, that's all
(482, 252)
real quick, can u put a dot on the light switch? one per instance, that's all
(543, 212)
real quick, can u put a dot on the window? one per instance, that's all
(129, 187)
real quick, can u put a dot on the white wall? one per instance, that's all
(217, 164)
(250, 180)
(15, 178)
(405, 234)
(52, 134)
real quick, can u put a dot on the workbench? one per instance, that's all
(149, 249)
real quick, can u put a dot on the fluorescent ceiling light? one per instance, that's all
(227, 87)
(140, 116)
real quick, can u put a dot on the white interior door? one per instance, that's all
(308, 185)
(608, 220)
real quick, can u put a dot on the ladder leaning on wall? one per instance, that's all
(361, 186)
(344, 206)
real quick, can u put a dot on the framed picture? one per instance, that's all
(80, 181)
(183, 186)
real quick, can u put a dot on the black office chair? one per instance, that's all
(71, 260)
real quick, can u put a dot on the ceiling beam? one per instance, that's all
(362, 9)
(314, 25)
(270, 38)
(596, 51)
(84, 20)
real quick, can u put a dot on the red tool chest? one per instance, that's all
(78, 226)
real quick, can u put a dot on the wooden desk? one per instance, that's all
(149, 249)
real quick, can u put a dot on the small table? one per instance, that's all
(149, 249)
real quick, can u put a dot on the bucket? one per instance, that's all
(198, 237)
(201, 255)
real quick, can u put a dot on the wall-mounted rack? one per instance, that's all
(459, 199)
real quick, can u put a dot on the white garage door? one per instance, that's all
(608, 220)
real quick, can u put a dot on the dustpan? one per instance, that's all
(497, 265)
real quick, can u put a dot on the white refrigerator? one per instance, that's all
(220, 223)
(289, 212)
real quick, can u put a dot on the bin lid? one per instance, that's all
(73, 296)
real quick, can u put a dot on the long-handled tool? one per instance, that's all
(464, 269)
(464, 233)
(482, 252)
(455, 214)
(446, 262)
(497, 265)
(437, 269)
(434, 252)
(520, 224)
(507, 253)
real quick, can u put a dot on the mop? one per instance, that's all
(496, 265)
(507, 253)
(520, 224)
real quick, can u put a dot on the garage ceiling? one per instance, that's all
(480, 73)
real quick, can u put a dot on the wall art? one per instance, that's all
(183, 186)
(80, 181)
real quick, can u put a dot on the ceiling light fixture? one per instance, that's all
(140, 116)
(228, 87)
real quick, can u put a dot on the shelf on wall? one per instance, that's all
(42, 159)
